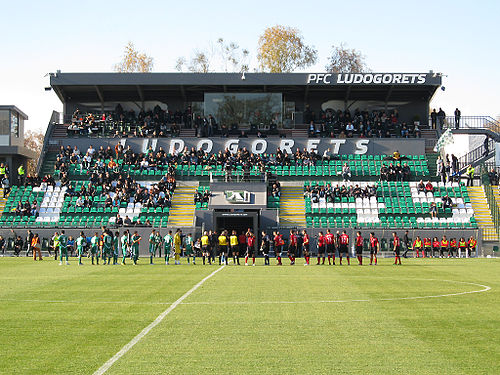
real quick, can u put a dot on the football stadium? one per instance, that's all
(304, 222)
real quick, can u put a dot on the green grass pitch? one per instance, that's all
(252, 320)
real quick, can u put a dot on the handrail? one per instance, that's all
(467, 122)
(54, 119)
(490, 197)
(476, 154)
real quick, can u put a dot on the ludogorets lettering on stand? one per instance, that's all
(263, 146)
(345, 146)
(366, 78)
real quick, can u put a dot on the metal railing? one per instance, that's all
(54, 119)
(477, 154)
(468, 122)
(492, 203)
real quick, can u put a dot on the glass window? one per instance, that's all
(4, 123)
(244, 108)
(14, 123)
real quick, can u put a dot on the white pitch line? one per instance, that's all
(105, 367)
(485, 289)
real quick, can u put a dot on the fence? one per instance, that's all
(494, 210)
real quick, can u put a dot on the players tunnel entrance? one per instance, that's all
(239, 221)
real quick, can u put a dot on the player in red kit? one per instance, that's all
(330, 246)
(396, 248)
(305, 246)
(250, 248)
(344, 247)
(278, 246)
(374, 248)
(359, 248)
(321, 248)
(292, 247)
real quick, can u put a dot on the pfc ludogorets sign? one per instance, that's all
(357, 146)
(367, 78)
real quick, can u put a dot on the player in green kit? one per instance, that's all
(136, 241)
(168, 242)
(116, 247)
(63, 248)
(152, 246)
(188, 245)
(80, 247)
(158, 243)
(125, 242)
(107, 246)
(94, 248)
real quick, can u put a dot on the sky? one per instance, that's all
(456, 38)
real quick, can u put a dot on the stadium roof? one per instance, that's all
(109, 87)
(14, 108)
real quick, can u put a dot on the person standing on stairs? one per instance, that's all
(486, 146)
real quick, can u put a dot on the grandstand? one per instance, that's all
(162, 150)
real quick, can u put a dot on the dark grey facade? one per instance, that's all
(409, 93)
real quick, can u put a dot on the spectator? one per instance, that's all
(447, 202)
(486, 145)
(429, 188)
(346, 172)
(433, 210)
(470, 175)
(458, 114)
(433, 119)
(5, 186)
(421, 186)
(441, 117)
(493, 176)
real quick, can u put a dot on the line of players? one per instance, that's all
(108, 246)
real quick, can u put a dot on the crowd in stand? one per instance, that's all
(166, 123)
(330, 192)
(202, 197)
(276, 189)
(366, 124)
(106, 178)
(395, 172)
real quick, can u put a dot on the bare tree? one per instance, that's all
(282, 49)
(345, 60)
(33, 140)
(134, 61)
(225, 57)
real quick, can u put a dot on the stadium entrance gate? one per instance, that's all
(239, 221)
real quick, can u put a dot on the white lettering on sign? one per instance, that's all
(286, 145)
(312, 145)
(362, 146)
(319, 78)
(232, 145)
(370, 78)
(336, 145)
(154, 142)
(208, 142)
(259, 146)
(176, 146)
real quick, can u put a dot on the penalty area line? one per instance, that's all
(105, 367)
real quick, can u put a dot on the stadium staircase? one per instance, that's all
(431, 164)
(482, 212)
(48, 163)
(476, 157)
(60, 131)
(183, 207)
(187, 133)
(292, 211)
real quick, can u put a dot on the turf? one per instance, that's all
(252, 320)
